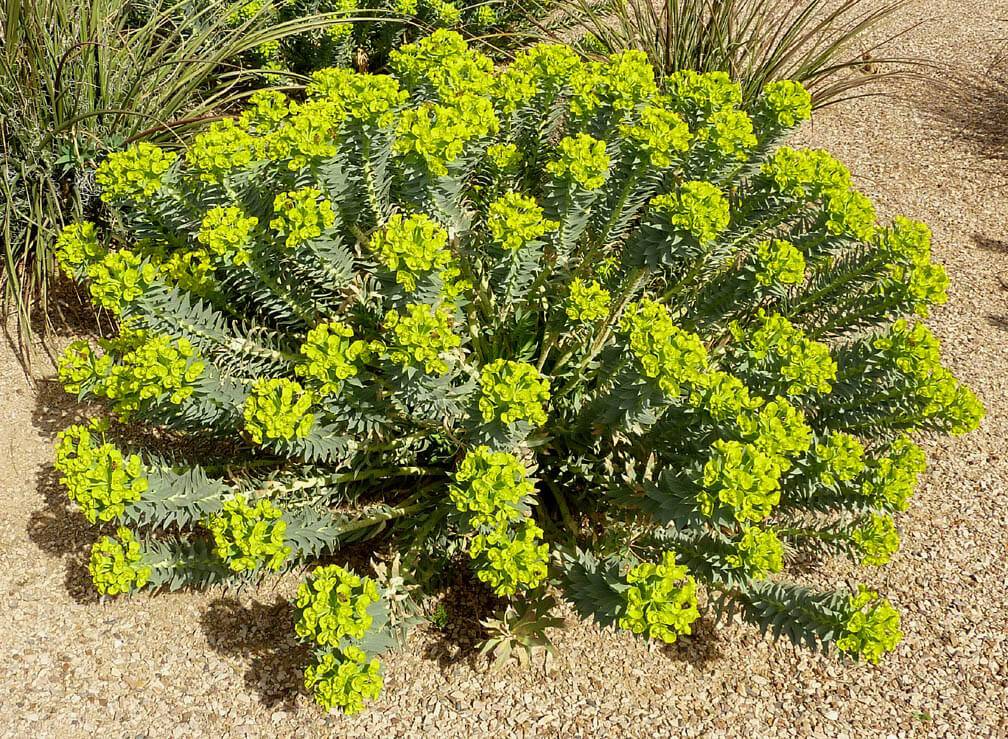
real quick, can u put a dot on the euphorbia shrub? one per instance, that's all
(586, 335)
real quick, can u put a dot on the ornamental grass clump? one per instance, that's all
(588, 338)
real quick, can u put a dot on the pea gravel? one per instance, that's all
(219, 665)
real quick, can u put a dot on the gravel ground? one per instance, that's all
(207, 664)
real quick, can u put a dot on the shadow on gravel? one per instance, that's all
(970, 106)
(59, 530)
(699, 648)
(261, 634)
(995, 246)
(55, 408)
(456, 634)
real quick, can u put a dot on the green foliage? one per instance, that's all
(364, 34)
(506, 333)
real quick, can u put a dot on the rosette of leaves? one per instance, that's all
(599, 341)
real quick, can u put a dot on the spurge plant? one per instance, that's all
(597, 340)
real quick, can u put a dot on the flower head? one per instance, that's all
(333, 606)
(661, 600)
(227, 233)
(344, 679)
(513, 391)
(696, 208)
(411, 247)
(422, 336)
(582, 160)
(278, 410)
(516, 220)
(587, 302)
(330, 356)
(872, 627)
(249, 536)
(98, 477)
(134, 174)
(489, 487)
(115, 564)
(511, 560)
(301, 215)
(667, 354)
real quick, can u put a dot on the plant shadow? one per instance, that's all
(1000, 247)
(703, 645)
(971, 107)
(262, 634)
(465, 602)
(60, 531)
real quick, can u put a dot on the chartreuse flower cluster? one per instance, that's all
(490, 489)
(672, 357)
(372, 315)
(876, 540)
(148, 368)
(511, 560)
(803, 364)
(422, 337)
(914, 351)
(116, 565)
(97, 476)
(661, 601)
(134, 174)
(778, 263)
(661, 136)
(840, 458)
(278, 410)
(77, 247)
(582, 161)
(513, 391)
(333, 606)
(119, 278)
(333, 613)
(301, 215)
(436, 134)
(331, 355)
(758, 553)
(891, 479)
(743, 477)
(248, 537)
(411, 248)
(227, 233)
(698, 93)
(515, 220)
(490, 486)
(699, 209)
(588, 301)
(871, 629)
(784, 104)
(344, 679)
(224, 148)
